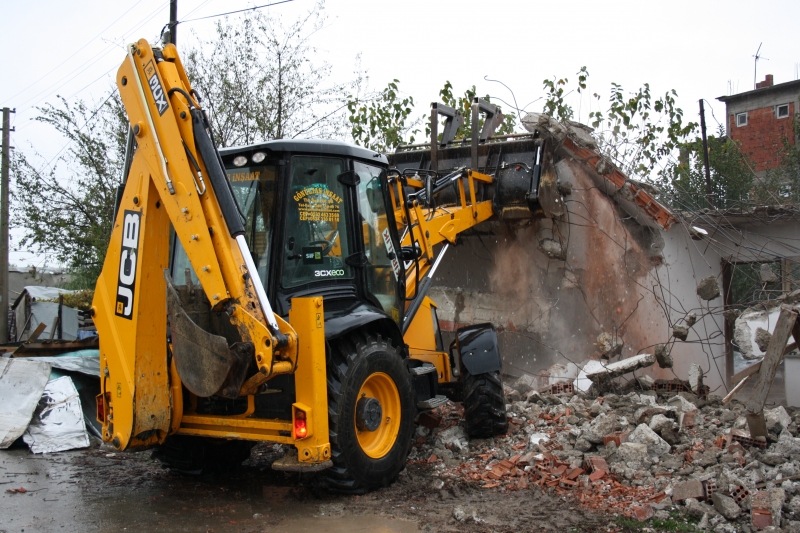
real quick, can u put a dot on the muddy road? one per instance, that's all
(99, 490)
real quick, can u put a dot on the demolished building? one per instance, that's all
(614, 272)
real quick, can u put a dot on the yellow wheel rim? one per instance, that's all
(378, 443)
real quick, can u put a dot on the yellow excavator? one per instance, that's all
(278, 292)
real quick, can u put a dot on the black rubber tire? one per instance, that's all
(484, 405)
(200, 455)
(351, 361)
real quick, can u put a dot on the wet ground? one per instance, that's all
(99, 490)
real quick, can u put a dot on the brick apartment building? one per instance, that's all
(760, 119)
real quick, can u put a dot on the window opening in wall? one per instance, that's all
(747, 285)
(782, 111)
(741, 119)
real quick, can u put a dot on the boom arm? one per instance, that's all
(167, 185)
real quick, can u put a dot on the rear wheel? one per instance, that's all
(371, 413)
(484, 405)
(200, 455)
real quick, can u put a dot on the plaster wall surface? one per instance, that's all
(551, 310)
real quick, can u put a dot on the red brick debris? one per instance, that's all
(592, 484)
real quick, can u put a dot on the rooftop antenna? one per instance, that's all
(755, 67)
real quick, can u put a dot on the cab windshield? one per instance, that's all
(316, 232)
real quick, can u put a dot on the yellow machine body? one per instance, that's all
(142, 396)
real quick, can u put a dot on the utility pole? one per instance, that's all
(173, 22)
(4, 179)
(705, 154)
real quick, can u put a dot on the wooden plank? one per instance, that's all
(38, 331)
(746, 373)
(769, 365)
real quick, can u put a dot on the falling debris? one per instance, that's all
(762, 339)
(609, 345)
(622, 367)
(680, 332)
(553, 249)
(695, 378)
(708, 288)
(731, 315)
(663, 357)
(697, 234)
(766, 274)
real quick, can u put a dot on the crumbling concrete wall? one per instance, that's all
(686, 262)
(615, 276)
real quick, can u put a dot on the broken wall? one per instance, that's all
(598, 270)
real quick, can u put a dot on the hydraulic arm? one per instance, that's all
(177, 180)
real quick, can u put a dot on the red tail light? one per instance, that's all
(101, 408)
(300, 427)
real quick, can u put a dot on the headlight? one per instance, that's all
(240, 160)
(258, 157)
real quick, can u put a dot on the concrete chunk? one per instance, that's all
(680, 332)
(762, 339)
(525, 384)
(688, 489)
(663, 358)
(708, 288)
(766, 274)
(695, 378)
(726, 506)
(656, 446)
(609, 346)
(622, 367)
(777, 419)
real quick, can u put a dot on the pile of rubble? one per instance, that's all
(636, 453)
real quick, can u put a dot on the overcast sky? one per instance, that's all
(702, 49)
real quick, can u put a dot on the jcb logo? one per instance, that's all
(127, 264)
(155, 88)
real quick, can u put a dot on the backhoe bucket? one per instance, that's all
(205, 363)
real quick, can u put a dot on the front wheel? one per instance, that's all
(484, 404)
(371, 413)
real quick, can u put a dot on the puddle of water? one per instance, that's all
(60, 500)
(350, 524)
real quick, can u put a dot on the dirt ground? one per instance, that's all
(99, 490)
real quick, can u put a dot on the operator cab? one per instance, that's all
(318, 221)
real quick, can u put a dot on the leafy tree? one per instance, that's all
(379, 121)
(730, 170)
(65, 206)
(258, 80)
(638, 131)
(555, 103)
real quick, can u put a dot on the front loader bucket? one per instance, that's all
(524, 178)
(205, 363)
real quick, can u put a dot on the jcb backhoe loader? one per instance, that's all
(277, 292)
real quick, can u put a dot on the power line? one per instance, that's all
(76, 52)
(83, 66)
(237, 11)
